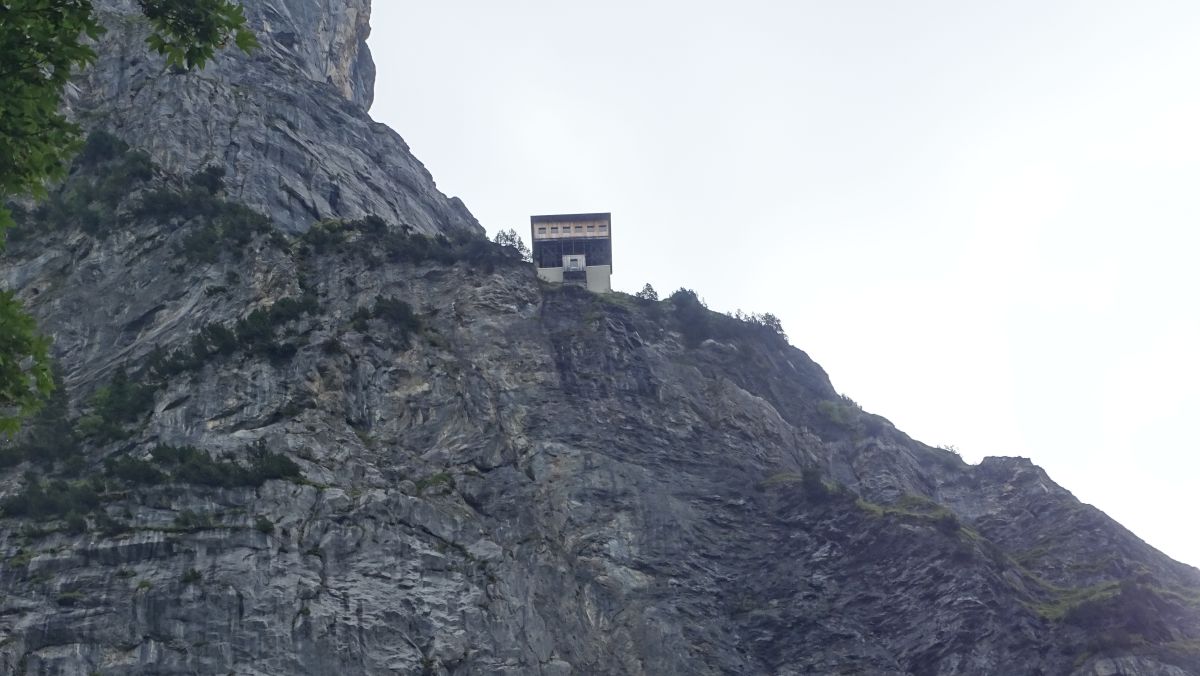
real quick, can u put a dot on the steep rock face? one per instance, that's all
(526, 480)
(358, 451)
(288, 123)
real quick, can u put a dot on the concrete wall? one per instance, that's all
(599, 278)
(551, 274)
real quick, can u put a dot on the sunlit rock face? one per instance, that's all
(289, 122)
(354, 451)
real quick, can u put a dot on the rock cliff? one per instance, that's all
(288, 123)
(357, 447)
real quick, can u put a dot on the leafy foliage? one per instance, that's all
(1133, 611)
(255, 334)
(50, 436)
(24, 364)
(695, 321)
(845, 415)
(69, 598)
(186, 464)
(101, 147)
(765, 320)
(813, 486)
(698, 323)
(188, 32)
(375, 242)
(133, 470)
(41, 43)
(398, 314)
(190, 465)
(191, 521)
(53, 499)
(224, 226)
(115, 406)
(647, 293)
(104, 174)
(512, 240)
(211, 179)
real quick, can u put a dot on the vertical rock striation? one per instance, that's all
(288, 123)
(344, 448)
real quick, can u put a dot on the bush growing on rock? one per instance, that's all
(114, 406)
(220, 225)
(399, 316)
(211, 179)
(76, 524)
(1133, 614)
(105, 173)
(187, 464)
(511, 239)
(100, 146)
(49, 437)
(254, 334)
(373, 240)
(191, 521)
(134, 470)
(813, 486)
(647, 293)
(51, 500)
(697, 323)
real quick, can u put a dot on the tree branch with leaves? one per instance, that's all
(510, 238)
(42, 43)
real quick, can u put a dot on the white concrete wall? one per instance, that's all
(599, 278)
(551, 274)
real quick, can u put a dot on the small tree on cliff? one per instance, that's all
(647, 293)
(772, 322)
(42, 42)
(510, 238)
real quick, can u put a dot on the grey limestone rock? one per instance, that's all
(516, 479)
(288, 123)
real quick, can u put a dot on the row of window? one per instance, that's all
(591, 229)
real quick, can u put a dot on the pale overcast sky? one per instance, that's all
(979, 217)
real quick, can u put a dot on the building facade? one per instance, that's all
(574, 249)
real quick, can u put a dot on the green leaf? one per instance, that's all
(42, 42)
(246, 41)
(25, 376)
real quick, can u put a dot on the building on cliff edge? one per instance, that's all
(574, 249)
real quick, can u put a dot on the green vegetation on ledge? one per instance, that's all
(697, 323)
(374, 242)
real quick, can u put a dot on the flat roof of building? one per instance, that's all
(559, 218)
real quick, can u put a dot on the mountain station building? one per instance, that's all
(574, 249)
